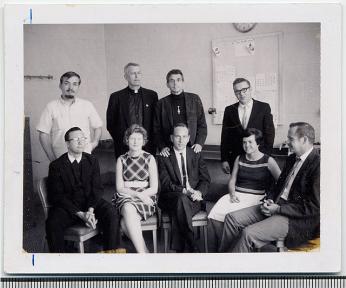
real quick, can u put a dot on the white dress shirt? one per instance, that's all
(60, 115)
(177, 154)
(241, 109)
(293, 174)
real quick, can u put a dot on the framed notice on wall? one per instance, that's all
(256, 58)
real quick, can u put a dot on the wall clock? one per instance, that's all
(244, 27)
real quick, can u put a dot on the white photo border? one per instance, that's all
(327, 260)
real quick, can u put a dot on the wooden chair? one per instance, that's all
(199, 220)
(310, 246)
(151, 225)
(75, 233)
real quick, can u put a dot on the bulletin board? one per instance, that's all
(256, 58)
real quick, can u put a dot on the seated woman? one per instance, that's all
(252, 176)
(136, 186)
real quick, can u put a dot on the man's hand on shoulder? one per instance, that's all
(196, 148)
(165, 152)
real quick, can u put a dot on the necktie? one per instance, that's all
(284, 193)
(76, 171)
(243, 122)
(183, 169)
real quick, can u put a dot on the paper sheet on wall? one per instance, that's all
(244, 47)
(266, 81)
(224, 75)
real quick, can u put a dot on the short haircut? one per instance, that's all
(174, 72)
(304, 129)
(253, 131)
(130, 64)
(135, 128)
(240, 80)
(67, 134)
(68, 75)
(180, 125)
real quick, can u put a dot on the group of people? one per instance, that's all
(157, 145)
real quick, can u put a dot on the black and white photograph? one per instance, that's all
(149, 144)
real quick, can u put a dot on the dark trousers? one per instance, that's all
(181, 209)
(247, 229)
(60, 219)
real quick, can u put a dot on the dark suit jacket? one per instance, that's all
(61, 180)
(163, 124)
(170, 177)
(232, 130)
(118, 119)
(303, 203)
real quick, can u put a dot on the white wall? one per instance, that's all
(99, 52)
(54, 50)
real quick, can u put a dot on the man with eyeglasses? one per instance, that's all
(75, 193)
(68, 111)
(246, 113)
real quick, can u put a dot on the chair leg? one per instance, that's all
(205, 232)
(165, 236)
(155, 241)
(81, 247)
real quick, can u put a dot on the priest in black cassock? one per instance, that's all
(131, 105)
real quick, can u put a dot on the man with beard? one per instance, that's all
(66, 112)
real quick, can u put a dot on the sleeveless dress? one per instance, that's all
(136, 177)
(253, 180)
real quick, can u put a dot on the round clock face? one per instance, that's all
(244, 27)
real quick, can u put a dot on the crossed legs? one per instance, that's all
(248, 229)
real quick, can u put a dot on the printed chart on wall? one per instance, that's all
(256, 58)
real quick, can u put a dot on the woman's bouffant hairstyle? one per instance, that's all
(135, 128)
(253, 131)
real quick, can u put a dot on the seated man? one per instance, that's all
(291, 209)
(75, 191)
(184, 180)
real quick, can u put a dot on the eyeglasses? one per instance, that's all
(241, 90)
(77, 139)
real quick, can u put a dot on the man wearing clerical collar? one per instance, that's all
(66, 112)
(179, 107)
(131, 105)
(75, 193)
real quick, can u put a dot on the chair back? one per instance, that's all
(42, 192)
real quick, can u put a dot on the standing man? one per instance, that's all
(179, 107)
(75, 193)
(64, 113)
(247, 113)
(131, 105)
(292, 208)
(184, 181)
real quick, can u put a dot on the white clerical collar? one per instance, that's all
(248, 105)
(72, 158)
